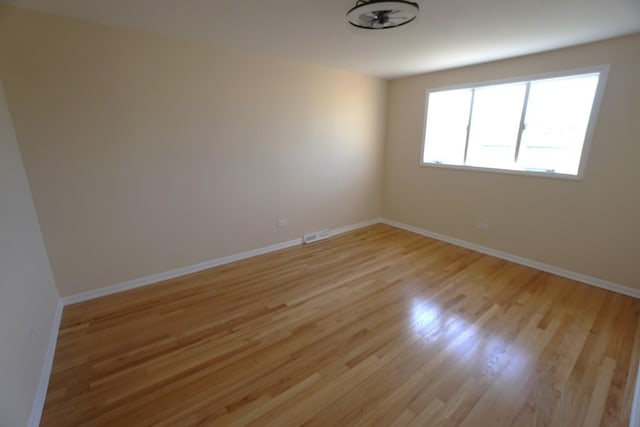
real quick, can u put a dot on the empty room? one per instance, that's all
(319, 213)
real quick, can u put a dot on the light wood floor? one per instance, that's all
(375, 327)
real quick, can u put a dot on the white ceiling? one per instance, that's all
(448, 33)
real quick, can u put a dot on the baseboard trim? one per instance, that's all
(634, 421)
(45, 373)
(337, 231)
(589, 280)
(171, 274)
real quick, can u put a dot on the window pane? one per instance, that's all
(497, 111)
(556, 123)
(446, 133)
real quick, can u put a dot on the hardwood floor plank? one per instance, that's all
(598, 400)
(376, 327)
(429, 413)
(404, 419)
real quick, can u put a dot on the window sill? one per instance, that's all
(506, 171)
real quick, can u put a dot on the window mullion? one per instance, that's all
(525, 102)
(466, 142)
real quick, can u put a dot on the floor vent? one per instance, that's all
(316, 235)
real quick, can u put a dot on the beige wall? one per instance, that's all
(146, 154)
(590, 226)
(28, 295)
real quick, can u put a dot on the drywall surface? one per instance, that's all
(590, 226)
(147, 154)
(28, 295)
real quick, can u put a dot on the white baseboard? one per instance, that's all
(171, 274)
(589, 280)
(634, 421)
(45, 373)
(155, 278)
(336, 231)
(147, 280)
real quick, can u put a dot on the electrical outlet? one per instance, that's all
(282, 222)
(482, 226)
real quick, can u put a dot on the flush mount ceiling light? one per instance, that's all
(380, 15)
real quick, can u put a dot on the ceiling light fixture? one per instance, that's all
(381, 15)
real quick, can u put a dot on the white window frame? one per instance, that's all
(603, 70)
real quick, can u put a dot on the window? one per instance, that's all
(533, 126)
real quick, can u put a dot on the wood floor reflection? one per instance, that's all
(375, 327)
